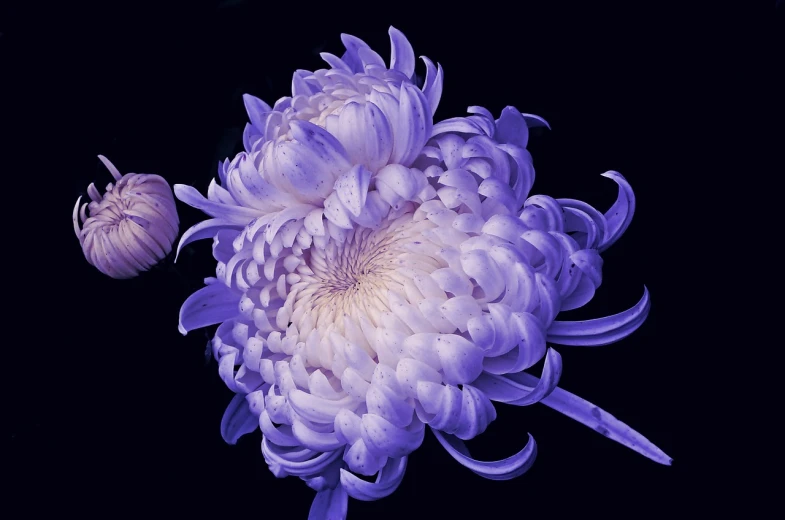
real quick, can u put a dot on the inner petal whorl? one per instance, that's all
(353, 279)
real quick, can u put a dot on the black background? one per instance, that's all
(112, 410)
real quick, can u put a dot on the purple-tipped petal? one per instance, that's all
(351, 57)
(235, 214)
(209, 305)
(335, 62)
(330, 504)
(237, 420)
(205, 229)
(505, 469)
(434, 82)
(256, 109)
(511, 128)
(533, 121)
(621, 213)
(402, 55)
(601, 331)
(111, 167)
(387, 481)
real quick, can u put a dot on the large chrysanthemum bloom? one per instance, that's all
(131, 227)
(417, 301)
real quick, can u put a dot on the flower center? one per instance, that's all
(352, 279)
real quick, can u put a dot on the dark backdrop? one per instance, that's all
(113, 410)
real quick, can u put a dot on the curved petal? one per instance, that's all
(205, 229)
(601, 331)
(620, 214)
(505, 469)
(402, 55)
(533, 121)
(460, 125)
(234, 214)
(256, 109)
(209, 305)
(298, 462)
(507, 389)
(237, 420)
(387, 481)
(434, 83)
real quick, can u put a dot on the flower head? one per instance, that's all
(131, 227)
(377, 274)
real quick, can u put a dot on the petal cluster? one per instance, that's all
(131, 227)
(378, 273)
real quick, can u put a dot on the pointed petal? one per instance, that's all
(205, 229)
(111, 167)
(534, 121)
(209, 305)
(256, 109)
(434, 81)
(402, 55)
(586, 413)
(335, 62)
(234, 214)
(620, 215)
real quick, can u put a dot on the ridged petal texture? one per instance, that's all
(131, 227)
(377, 274)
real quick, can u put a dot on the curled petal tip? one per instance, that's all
(111, 167)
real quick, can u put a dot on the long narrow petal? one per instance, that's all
(256, 109)
(601, 421)
(620, 214)
(601, 331)
(505, 469)
(434, 83)
(205, 229)
(235, 214)
(402, 55)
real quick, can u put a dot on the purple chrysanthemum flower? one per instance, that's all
(378, 273)
(131, 227)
